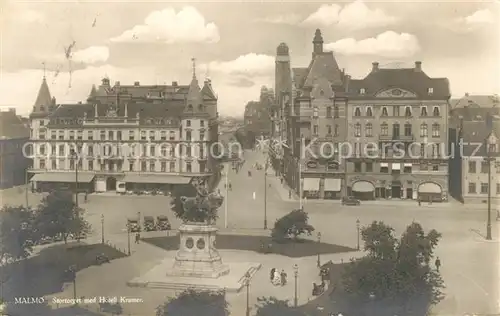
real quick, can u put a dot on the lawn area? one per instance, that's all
(43, 274)
(300, 248)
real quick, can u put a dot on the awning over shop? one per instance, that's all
(156, 178)
(396, 166)
(384, 164)
(429, 187)
(83, 177)
(332, 184)
(363, 186)
(310, 184)
(407, 164)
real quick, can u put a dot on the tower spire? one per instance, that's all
(44, 70)
(193, 60)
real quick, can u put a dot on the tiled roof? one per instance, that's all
(410, 79)
(323, 65)
(11, 126)
(299, 75)
(207, 91)
(476, 101)
(474, 135)
(473, 113)
(43, 98)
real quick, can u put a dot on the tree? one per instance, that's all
(200, 209)
(16, 233)
(194, 303)
(394, 271)
(271, 306)
(292, 225)
(58, 215)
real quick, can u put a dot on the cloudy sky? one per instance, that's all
(234, 43)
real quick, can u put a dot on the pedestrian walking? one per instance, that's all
(438, 263)
(271, 276)
(230, 186)
(137, 237)
(289, 194)
(283, 277)
(86, 197)
(419, 202)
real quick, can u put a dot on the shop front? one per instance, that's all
(310, 188)
(430, 191)
(333, 188)
(363, 190)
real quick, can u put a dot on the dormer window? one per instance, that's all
(408, 111)
(435, 111)
(362, 91)
(430, 91)
(423, 111)
(384, 111)
(369, 112)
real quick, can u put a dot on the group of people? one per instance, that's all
(278, 278)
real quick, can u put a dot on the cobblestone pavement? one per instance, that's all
(470, 264)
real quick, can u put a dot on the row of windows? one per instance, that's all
(145, 166)
(430, 91)
(384, 130)
(395, 168)
(483, 188)
(395, 111)
(118, 135)
(484, 167)
(329, 130)
(328, 112)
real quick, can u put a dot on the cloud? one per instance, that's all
(288, 19)
(88, 56)
(250, 64)
(243, 82)
(30, 16)
(480, 17)
(477, 20)
(355, 15)
(387, 44)
(187, 25)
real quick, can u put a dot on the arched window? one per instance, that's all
(435, 112)
(395, 129)
(357, 130)
(408, 111)
(190, 107)
(423, 130)
(435, 130)
(384, 129)
(369, 111)
(369, 130)
(336, 112)
(384, 111)
(357, 112)
(408, 129)
(200, 107)
(423, 111)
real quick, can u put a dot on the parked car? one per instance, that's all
(350, 200)
(45, 240)
(133, 225)
(149, 223)
(163, 223)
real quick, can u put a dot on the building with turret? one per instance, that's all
(126, 137)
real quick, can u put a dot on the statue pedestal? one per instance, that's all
(197, 255)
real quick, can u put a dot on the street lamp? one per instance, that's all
(74, 157)
(102, 228)
(226, 171)
(128, 238)
(489, 159)
(357, 228)
(296, 275)
(247, 284)
(265, 195)
(319, 243)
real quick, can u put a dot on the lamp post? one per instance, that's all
(102, 228)
(27, 187)
(296, 275)
(357, 229)
(489, 159)
(74, 157)
(247, 284)
(319, 243)
(225, 198)
(128, 239)
(265, 195)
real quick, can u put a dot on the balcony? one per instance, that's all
(397, 138)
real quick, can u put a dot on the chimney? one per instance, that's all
(137, 83)
(374, 66)
(466, 94)
(418, 66)
(174, 83)
(12, 110)
(346, 83)
(117, 83)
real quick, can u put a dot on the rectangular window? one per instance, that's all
(53, 135)
(79, 135)
(188, 123)
(384, 169)
(103, 135)
(163, 135)
(152, 166)
(61, 135)
(119, 135)
(54, 164)
(41, 135)
(472, 166)
(472, 187)
(131, 135)
(336, 112)
(163, 166)
(315, 113)
(143, 135)
(357, 167)
(90, 135)
(315, 130)
(188, 151)
(384, 130)
(80, 164)
(407, 169)
(111, 135)
(172, 135)
(188, 136)
(369, 167)
(151, 135)
(42, 164)
(484, 188)
(484, 166)
(152, 151)
(329, 129)
(143, 166)
(329, 112)
(202, 136)
(202, 152)
(42, 149)
(71, 135)
(188, 167)
(395, 110)
(424, 167)
(202, 123)
(131, 166)
(171, 166)
(435, 167)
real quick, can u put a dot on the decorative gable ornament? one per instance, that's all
(395, 93)
(112, 111)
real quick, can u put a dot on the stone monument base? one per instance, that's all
(231, 281)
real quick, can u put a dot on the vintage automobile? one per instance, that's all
(162, 222)
(133, 225)
(149, 223)
(350, 200)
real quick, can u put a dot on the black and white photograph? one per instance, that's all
(249, 158)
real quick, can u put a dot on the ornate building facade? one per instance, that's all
(126, 137)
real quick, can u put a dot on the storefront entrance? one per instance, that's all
(111, 184)
(363, 190)
(430, 191)
(396, 189)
